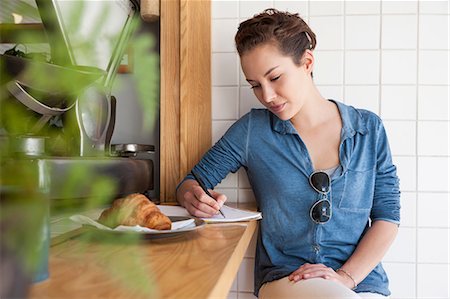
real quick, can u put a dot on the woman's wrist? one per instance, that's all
(182, 189)
(348, 277)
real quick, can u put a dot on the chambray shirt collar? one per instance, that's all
(282, 126)
(352, 122)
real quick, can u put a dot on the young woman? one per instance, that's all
(321, 172)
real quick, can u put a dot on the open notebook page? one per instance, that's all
(231, 214)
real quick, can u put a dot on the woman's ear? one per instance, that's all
(308, 61)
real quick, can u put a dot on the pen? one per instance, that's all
(199, 181)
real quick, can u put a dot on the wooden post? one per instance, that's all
(185, 89)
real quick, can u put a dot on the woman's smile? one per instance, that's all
(277, 108)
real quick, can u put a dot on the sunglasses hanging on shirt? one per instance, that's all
(320, 211)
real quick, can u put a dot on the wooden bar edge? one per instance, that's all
(226, 279)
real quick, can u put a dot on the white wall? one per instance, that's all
(385, 56)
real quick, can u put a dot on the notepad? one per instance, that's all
(231, 214)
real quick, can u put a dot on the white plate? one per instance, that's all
(194, 225)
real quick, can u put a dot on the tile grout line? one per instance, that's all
(238, 199)
(344, 49)
(239, 113)
(380, 61)
(417, 156)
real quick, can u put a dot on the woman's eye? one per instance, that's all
(271, 80)
(275, 79)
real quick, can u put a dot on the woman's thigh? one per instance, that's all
(314, 288)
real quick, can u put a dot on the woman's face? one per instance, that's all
(278, 83)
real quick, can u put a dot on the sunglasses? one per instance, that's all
(320, 211)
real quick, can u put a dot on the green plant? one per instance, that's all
(24, 204)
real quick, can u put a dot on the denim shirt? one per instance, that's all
(364, 188)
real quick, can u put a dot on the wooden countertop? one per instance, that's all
(196, 264)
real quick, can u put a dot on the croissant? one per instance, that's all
(135, 209)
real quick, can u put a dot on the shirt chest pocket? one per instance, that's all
(358, 190)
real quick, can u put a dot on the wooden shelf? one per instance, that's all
(197, 264)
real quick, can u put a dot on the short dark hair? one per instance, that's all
(287, 31)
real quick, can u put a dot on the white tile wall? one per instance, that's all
(332, 91)
(399, 32)
(399, 7)
(408, 212)
(399, 102)
(391, 57)
(225, 10)
(361, 32)
(245, 275)
(324, 8)
(223, 39)
(433, 67)
(402, 278)
(433, 102)
(433, 32)
(329, 67)
(399, 67)
(426, 204)
(219, 128)
(247, 100)
(432, 281)
(224, 69)
(225, 103)
(433, 7)
(362, 67)
(407, 172)
(403, 248)
(438, 166)
(362, 7)
(402, 136)
(298, 6)
(362, 96)
(431, 249)
(249, 8)
(331, 27)
(430, 141)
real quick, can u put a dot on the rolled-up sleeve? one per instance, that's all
(227, 155)
(386, 202)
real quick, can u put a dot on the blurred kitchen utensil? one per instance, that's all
(131, 149)
(45, 88)
(93, 112)
(112, 120)
(28, 145)
(50, 79)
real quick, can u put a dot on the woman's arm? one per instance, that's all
(227, 155)
(369, 252)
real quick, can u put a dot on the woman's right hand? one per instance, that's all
(191, 196)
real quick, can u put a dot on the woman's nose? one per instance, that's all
(268, 94)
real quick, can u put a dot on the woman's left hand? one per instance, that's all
(308, 271)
